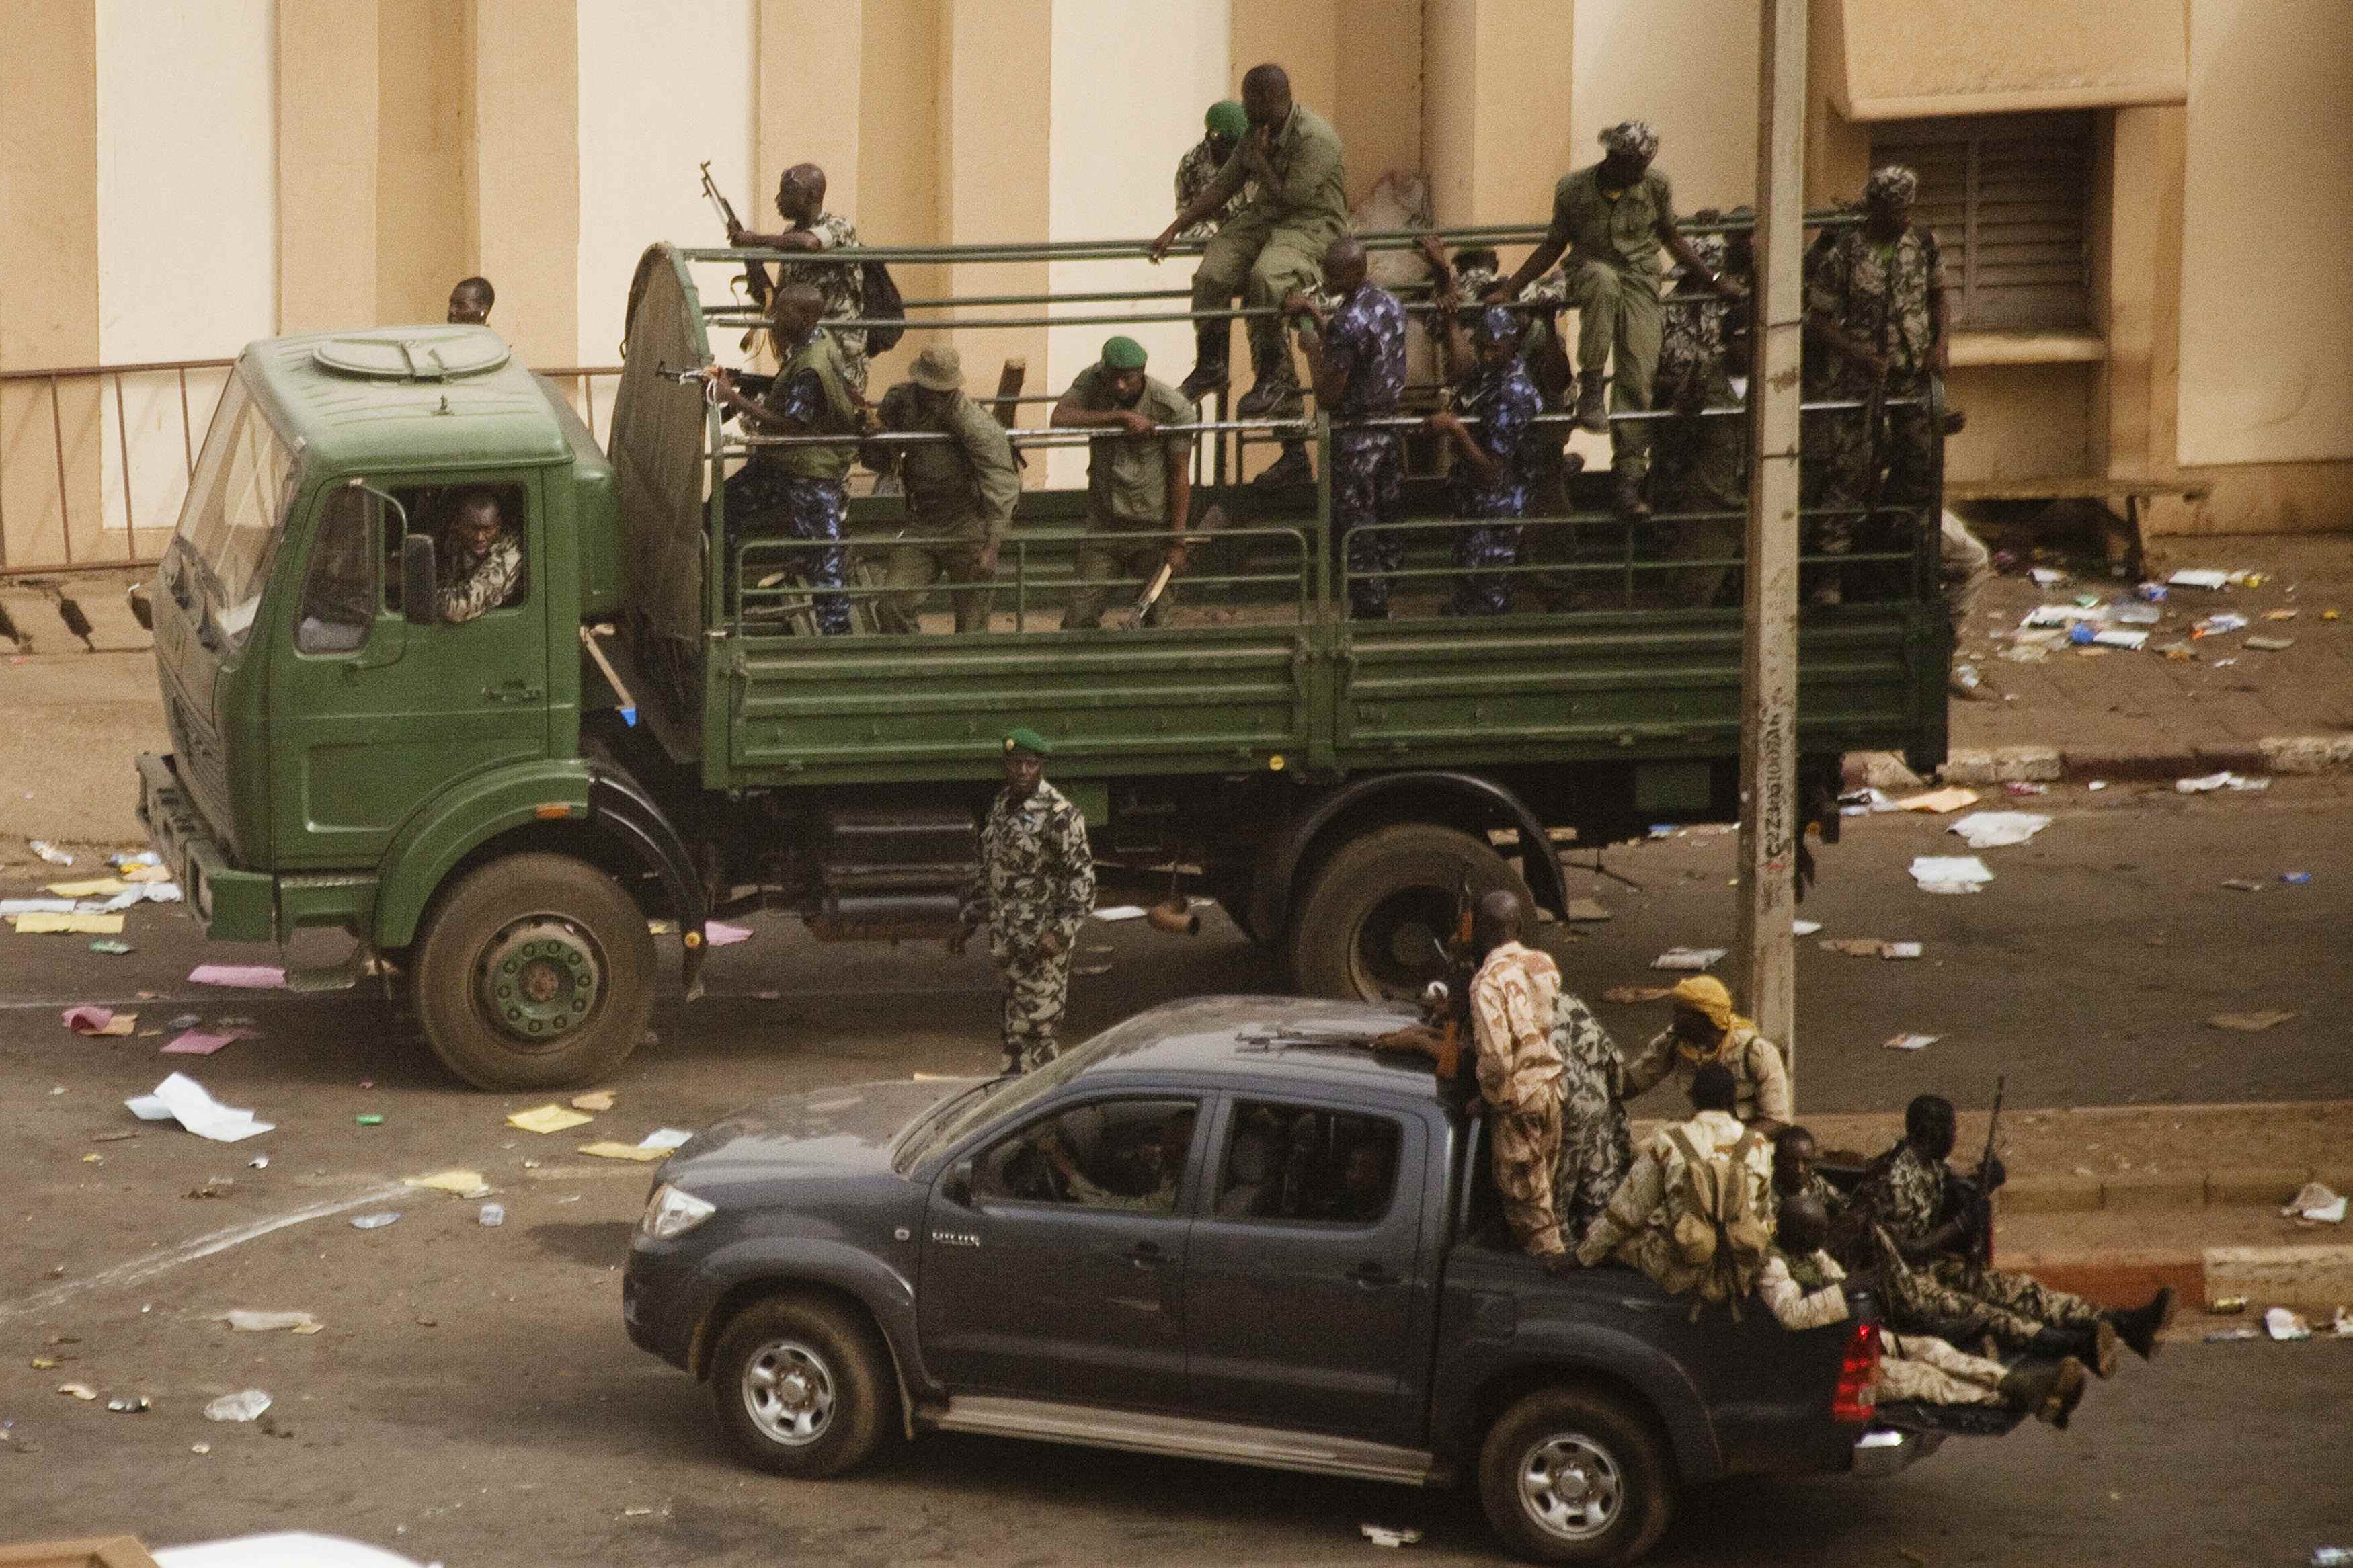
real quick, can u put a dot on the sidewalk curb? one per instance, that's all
(2269, 755)
(2312, 1279)
(2246, 1186)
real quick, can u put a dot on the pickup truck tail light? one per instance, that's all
(1851, 1400)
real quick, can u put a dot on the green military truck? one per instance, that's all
(644, 735)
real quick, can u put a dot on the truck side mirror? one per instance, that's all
(956, 1185)
(420, 574)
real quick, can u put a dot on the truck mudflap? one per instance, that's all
(620, 806)
(229, 905)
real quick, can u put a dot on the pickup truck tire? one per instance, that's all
(1363, 926)
(1570, 1475)
(804, 1388)
(537, 972)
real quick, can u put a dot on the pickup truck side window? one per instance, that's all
(1107, 1154)
(339, 591)
(1307, 1162)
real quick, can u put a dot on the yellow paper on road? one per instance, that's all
(42, 924)
(462, 1182)
(1939, 800)
(549, 1118)
(147, 873)
(609, 1149)
(102, 887)
(595, 1099)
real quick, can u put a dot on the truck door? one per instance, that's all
(370, 714)
(1302, 1293)
(1053, 1259)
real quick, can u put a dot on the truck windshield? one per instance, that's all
(999, 1096)
(236, 510)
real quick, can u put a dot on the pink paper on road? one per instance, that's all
(198, 1043)
(719, 933)
(250, 976)
(88, 1020)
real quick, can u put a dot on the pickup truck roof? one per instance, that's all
(407, 398)
(1243, 1038)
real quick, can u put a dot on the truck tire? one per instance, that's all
(1364, 926)
(804, 1388)
(537, 972)
(1569, 1475)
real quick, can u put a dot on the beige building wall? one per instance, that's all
(1688, 67)
(420, 173)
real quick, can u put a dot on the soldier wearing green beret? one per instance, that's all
(1035, 888)
(960, 492)
(1138, 482)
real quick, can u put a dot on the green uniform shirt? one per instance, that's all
(1623, 231)
(1309, 190)
(971, 472)
(816, 353)
(1127, 476)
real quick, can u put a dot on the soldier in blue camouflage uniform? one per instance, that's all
(1355, 356)
(1035, 888)
(1490, 479)
(801, 485)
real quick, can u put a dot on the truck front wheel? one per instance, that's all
(536, 973)
(1373, 918)
(1573, 1476)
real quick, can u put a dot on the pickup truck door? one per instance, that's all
(1303, 1296)
(1038, 1284)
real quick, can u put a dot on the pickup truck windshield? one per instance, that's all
(1002, 1096)
(236, 510)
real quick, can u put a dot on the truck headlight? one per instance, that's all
(672, 1212)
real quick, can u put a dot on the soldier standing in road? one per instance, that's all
(1356, 357)
(842, 285)
(962, 490)
(811, 396)
(1612, 218)
(1035, 888)
(1705, 1029)
(1138, 481)
(1226, 123)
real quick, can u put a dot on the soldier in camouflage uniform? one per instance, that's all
(485, 560)
(1699, 463)
(1036, 886)
(1226, 124)
(1490, 479)
(1904, 1197)
(800, 202)
(1356, 355)
(1512, 1005)
(1875, 312)
(1596, 1150)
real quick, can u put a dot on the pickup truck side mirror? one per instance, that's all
(956, 1185)
(420, 574)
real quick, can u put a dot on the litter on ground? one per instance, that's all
(100, 1021)
(1693, 959)
(375, 1221)
(595, 1099)
(1999, 829)
(2199, 578)
(183, 1100)
(612, 1148)
(1121, 912)
(1939, 800)
(75, 924)
(203, 1043)
(1949, 873)
(2248, 1023)
(719, 933)
(2317, 1203)
(243, 1405)
(2283, 1324)
(49, 852)
(2207, 783)
(246, 976)
(465, 1183)
(1909, 1042)
(549, 1118)
(249, 1322)
(1627, 995)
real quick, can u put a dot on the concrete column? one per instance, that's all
(995, 121)
(1495, 107)
(521, 159)
(327, 102)
(49, 281)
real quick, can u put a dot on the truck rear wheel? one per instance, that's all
(1374, 916)
(1572, 1476)
(537, 972)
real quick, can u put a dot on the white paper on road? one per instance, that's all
(1804, 928)
(2133, 640)
(1997, 829)
(1689, 958)
(1911, 1042)
(1949, 873)
(2283, 1324)
(182, 1099)
(2316, 1202)
(2207, 783)
(2189, 577)
(664, 1138)
(1120, 912)
(36, 907)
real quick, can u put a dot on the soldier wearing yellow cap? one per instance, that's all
(1705, 1029)
(1139, 482)
(1035, 888)
(960, 492)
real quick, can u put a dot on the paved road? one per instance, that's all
(473, 1387)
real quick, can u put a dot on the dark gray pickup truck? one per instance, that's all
(1214, 1231)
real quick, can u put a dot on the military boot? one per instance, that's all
(1626, 495)
(2138, 1326)
(2096, 1346)
(1593, 405)
(1292, 469)
(1209, 351)
(2047, 1391)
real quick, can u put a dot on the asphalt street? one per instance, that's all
(472, 1398)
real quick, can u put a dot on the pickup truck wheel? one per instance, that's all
(1570, 1476)
(536, 973)
(1371, 920)
(803, 1387)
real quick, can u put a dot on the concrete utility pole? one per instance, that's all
(1769, 827)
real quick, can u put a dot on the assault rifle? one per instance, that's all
(1972, 1196)
(756, 273)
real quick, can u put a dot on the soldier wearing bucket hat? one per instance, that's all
(960, 492)
(1035, 888)
(1139, 482)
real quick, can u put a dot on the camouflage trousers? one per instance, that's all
(1840, 466)
(1951, 1291)
(760, 495)
(1595, 1153)
(1488, 593)
(1700, 464)
(1926, 1370)
(1368, 486)
(1526, 1142)
(1037, 988)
